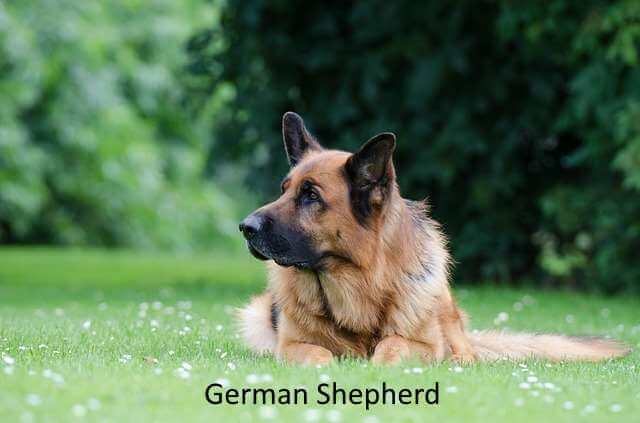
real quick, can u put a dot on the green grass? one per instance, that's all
(66, 366)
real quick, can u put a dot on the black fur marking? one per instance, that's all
(326, 307)
(361, 197)
(274, 315)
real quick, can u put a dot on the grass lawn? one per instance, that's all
(100, 336)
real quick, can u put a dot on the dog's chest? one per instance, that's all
(348, 306)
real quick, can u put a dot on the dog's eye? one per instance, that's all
(308, 194)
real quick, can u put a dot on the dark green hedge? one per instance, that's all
(520, 121)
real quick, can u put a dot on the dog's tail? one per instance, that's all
(495, 345)
(258, 324)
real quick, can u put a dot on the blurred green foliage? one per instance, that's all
(519, 120)
(99, 143)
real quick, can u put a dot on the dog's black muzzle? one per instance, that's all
(269, 240)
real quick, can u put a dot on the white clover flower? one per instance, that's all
(33, 400)
(93, 404)
(267, 412)
(79, 410)
(312, 415)
(223, 382)
(334, 416)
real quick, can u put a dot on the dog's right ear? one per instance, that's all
(297, 140)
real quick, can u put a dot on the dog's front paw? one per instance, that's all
(391, 351)
(464, 357)
(304, 354)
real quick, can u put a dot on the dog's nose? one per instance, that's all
(251, 225)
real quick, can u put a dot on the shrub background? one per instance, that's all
(131, 123)
(519, 120)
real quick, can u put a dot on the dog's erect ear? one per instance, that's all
(297, 140)
(371, 175)
(371, 165)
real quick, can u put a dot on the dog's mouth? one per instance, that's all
(254, 252)
(280, 259)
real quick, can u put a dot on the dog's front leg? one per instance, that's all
(304, 354)
(394, 349)
(391, 350)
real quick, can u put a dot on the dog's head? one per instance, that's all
(331, 201)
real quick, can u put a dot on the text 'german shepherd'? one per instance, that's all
(356, 270)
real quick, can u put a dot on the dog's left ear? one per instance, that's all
(372, 165)
(371, 174)
(297, 140)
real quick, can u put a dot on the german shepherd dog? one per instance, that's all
(356, 270)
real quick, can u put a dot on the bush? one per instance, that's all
(519, 120)
(98, 142)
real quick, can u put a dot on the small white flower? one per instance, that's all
(172, 352)
(8, 360)
(86, 325)
(34, 400)
(519, 402)
(312, 415)
(324, 378)
(615, 408)
(8, 370)
(219, 328)
(568, 405)
(252, 379)
(223, 355)
(157, 371)
(524, 385)
(231, 365)
(589, 408)
(186, 365)
(334, 416)
(452, 389)
(182, 373)
(267, 412)
(223, 382)
(93, 404)
(457, 369)
(532, 379)
(549, 385)
(417, 370)
(535, 393)
(79, 410)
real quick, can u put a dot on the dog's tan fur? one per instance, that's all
(384, 292)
